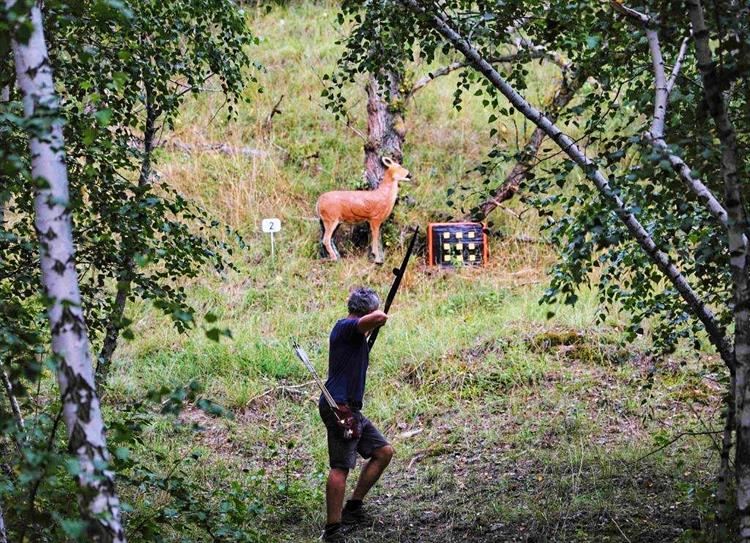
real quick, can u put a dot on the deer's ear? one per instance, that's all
(387, 161)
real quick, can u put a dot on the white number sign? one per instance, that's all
(271, 226)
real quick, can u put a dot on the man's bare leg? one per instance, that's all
(372, 471)
(335, 490)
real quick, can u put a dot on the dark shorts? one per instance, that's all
(342, 453)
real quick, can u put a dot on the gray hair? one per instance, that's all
(363, 301)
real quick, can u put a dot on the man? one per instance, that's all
(347, 370)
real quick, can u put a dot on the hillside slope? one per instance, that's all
(508, 426)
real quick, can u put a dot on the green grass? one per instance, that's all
(466, 356)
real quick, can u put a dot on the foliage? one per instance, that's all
(122, 71)
(651, 251)
(580, 426)
(172, 501)
(609, 118)
(116, 69)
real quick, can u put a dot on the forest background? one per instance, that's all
(513, 419)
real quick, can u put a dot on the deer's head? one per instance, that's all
(395, 171)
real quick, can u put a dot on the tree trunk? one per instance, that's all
(723, 504)
(70, 345)
(385, 126)
(715, 332)
(520, 170)
(14, 407)
(385, 137)
(3, 533)
(738, 258)
(125, 278)
(4, 98)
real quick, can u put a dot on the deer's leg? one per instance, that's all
(333, 240)
(329, 227)
(322, 251)
(376, 251)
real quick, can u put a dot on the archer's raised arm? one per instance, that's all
(371, 321)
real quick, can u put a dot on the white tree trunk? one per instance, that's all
(737, 229)
(662, 88)
(81, 411)
(3, 533)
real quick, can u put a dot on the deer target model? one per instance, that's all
(352, 206)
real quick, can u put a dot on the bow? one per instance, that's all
(399, 273)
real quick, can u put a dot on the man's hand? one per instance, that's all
(373, 320)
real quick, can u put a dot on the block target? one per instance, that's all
(457, 244)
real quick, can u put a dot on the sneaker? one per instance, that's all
(336, 536)
(351, 517)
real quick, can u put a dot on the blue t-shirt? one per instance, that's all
(348, 357)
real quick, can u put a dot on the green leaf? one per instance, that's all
(122, 453)
(592, 42)
(104, 116)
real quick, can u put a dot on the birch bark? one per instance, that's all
(662, 89)
(81, 410)
(3, 533)
(737, 228)
(655, 135)
(14, 407)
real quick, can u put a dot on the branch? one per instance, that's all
(267, 123)
(537, 51)
(285, 389)
(527, 50)
(525, 164)
(631, 13)
(431, 76)
(715, 331)
(662, 88)
(223, 148)
(14, 407)
(703, 193)
(677, 65)
(673, 440)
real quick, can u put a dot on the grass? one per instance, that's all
(529, 429)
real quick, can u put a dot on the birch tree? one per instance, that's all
(121, 70)
(82, 413)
